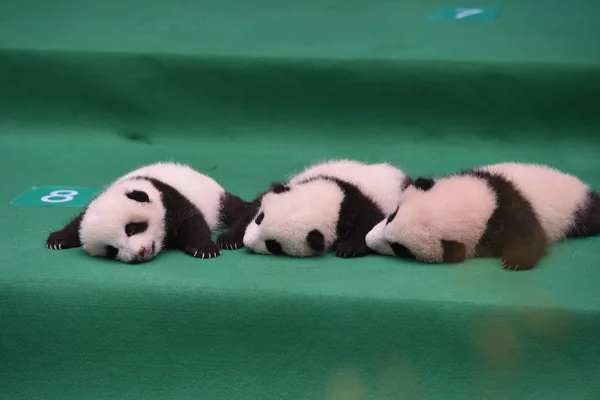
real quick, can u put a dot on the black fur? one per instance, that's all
(423, 183)
(358, 215)
(232, 208)
(186, 228)
(587, 219)
(274, 247)
(233, 238)
(259, 218)
(401, 251)
(111, 252)
(454, 252)
(513, 232)
(393, 215)
(278, 188)
(135, 228)
(407, 182)
(316, 240)
(139, 196)
(67, 237)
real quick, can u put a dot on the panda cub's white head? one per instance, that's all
(455, 208)
(298, 220)
(126, 222)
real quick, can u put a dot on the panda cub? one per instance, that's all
(162, 205)
(509, 210)
(328, 205)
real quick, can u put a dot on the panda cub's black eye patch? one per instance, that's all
(273, 247)
(134, 228)
(260, 218)
(401, 250)
(316, 240)
(111, 252)
(139, 196)
(393, 215)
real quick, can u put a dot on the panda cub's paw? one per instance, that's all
(59, 240)
(350, 249)
(206, 249)
(521, 254)
(515, 267)
(231, 240)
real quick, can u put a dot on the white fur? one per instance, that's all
(459, 207)
(290, 216)
(554, 195)
(106, 216)
(377, 241)
(455, 208)
(381, 182)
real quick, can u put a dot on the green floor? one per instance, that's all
(249, 92)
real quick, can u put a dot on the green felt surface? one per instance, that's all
(248, 93)
(247, 326)
(525, 31)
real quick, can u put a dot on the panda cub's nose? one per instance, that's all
(146, 252)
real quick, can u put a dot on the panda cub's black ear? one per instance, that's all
(423, 183)
(278, 188)
(139, 196)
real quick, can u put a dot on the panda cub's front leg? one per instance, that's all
(194, 237)
(233, 239)
(67, 237)
(351, 248)
(352, 231)
(358, 215)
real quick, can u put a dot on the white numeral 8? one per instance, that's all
(60, 196)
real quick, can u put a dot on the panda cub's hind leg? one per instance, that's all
(587, 219)
(514, 231)
(523, 248)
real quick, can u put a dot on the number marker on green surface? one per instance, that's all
(463, 14)
(56, 196)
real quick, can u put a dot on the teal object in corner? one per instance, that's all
(61, 196)
(461, 14)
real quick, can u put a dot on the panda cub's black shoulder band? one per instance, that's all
(358, 215)
(184, 223)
